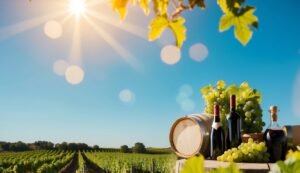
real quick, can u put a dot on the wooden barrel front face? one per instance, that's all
(189, 135)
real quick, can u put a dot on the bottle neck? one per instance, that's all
(274, 123)
(217, 119)
(217, 113)
(232, 103)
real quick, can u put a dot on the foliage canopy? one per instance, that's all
(235, 14)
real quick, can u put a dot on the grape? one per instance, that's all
(245, 151)
(230, 159)
(246, 108)
(217, 93)
(250, 149)
(253, 111)
(244, 85)
(235, 155)
(249, 103)
(244, 95)
(248, 114)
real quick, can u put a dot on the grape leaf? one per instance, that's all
(242, 32)
(179, 30)
(223, 5)
(232, 168)
(241, 22)
(157, 26)
(194, 165)
(144, 4)
(160, 6)
(248, 17)
(226, 21)
(239, 17)
(161, 22)
(121, 7)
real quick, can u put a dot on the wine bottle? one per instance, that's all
(217, 137)
(233, 125)
(275, 138)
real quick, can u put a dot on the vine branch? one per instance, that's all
(182, 7)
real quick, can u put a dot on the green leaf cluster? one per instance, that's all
(196, 165)
(161, 23)
(290, 165)
(241, 17)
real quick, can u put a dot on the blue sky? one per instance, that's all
(37, 104)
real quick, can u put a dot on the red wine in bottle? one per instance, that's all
(275, 138)
(217, 137)
(233, 125)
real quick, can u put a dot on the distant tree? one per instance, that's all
(62, 146)
(43, 145)
(72, 146)
(139, 148)
(125, 149)
(4, 146)
(96, 147)
(83, 146)
(18, 146)
(57, 146)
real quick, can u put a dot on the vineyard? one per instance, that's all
(47, 161)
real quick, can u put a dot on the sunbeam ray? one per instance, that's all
(130, 28)
(65, 19)
(123, 52)
(12, 30)
(75, 53)
(95, 2)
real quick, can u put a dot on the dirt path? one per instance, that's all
(91, 167)
(72, 166)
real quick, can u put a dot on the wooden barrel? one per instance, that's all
(293, 136)
(190, 135)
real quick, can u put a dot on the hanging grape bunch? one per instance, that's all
(248, 104)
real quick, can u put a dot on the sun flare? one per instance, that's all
(77, 7)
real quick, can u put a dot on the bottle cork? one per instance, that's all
(273, 110)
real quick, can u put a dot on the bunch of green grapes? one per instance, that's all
(216, 95)
(246, 152)
(247, 100)
(248, 106)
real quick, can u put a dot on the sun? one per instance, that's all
(77, 7)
